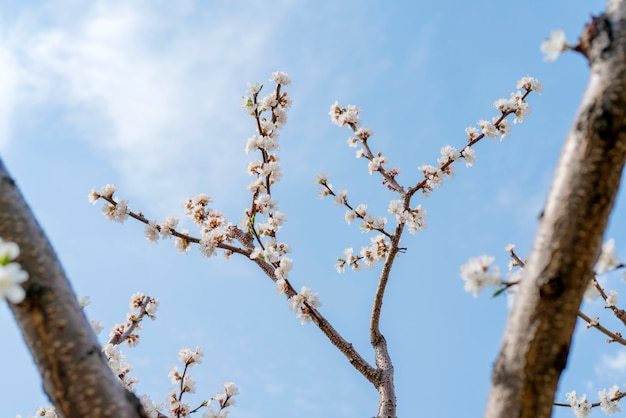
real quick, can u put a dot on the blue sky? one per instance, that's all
(146, 95)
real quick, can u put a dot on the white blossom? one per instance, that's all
(530, 84)
(376, 163)
(521, 111)
(348, 116)
(448, 153)
(608, 405)
(96, 326)
(46, 412)
(108, 190)
(254, 88)
(341, 197)
(117, 212)
(11, 273)
(168, 226)
(150, 407)
(190, 357)
(470, 156)
(280, 77)
(472, 133)
(477, 275)
(298, 302)
(281, 286)
(182, 244)
(503, 129)
(285, 265)
(93, 196)
(83, 301)
(581, 407)
(554, 45)
(608, 258)
(151, 232)
(591, 292)
(488, 129)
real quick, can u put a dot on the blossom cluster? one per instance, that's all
(45, 412)
(184, 383)
(114, 210)
(376, 252)
(478, 274)
(379, 248)
(261, 221)
(121, 368)
(554, 45)
(414, 219)
(498, 127)
(11, 273)
(350, 116)
(609, 402)
(96, 325)
(302, 302)
(433, 177)
(140, 307)
(270, 113)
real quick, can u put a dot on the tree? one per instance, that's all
(539, 331)
(289, 291)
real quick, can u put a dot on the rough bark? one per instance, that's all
(75, 374)
(537, 339)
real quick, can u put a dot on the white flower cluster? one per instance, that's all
(414, 219)
(477, 275)
(224, 400)
(45, 412)
(121, 368)
(350, 116)
(140, 306)
(96, 325)
(11, 273)
(117, 211)
(151, 408)
(608, 259)
(267, 170)
(212, 223)
(609, 402)
(345, 116)
(184, 382)
(554, 45)
(369, 222)
(298, 303)
(581, 407)
(369, 255)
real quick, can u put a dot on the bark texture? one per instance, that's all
(75, 374)
(537, 339)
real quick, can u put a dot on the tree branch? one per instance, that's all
(76, 376)
(539, 330)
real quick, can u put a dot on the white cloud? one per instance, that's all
(153, 88)
(612, 365)
(8, 83)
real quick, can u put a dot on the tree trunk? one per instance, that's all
(75, 374)
(538, 334)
